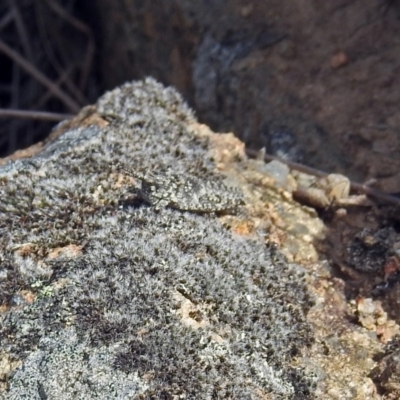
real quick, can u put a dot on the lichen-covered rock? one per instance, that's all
(104, 296)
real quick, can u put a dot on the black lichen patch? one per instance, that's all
(369, 250)
(109, 321)
(386, 373)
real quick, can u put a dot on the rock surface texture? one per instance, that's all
(107, 296)
(139, 260)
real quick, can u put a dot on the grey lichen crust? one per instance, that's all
(112, 299)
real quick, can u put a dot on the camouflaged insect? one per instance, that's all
(187, 193)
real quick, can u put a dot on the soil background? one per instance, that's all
(315, 82)
(312, 82)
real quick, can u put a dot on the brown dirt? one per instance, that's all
(343, 65)
(317, 81)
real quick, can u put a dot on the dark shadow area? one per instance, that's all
(48, 67)
(363, 249)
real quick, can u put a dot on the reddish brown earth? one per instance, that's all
(318, 81)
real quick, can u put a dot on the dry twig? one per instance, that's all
(358, 187)
(39, 115)
(70, 103)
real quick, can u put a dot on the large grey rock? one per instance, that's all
(106, 297)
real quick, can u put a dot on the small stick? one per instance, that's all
(41, 115)
(67, 100)
(358, 187)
